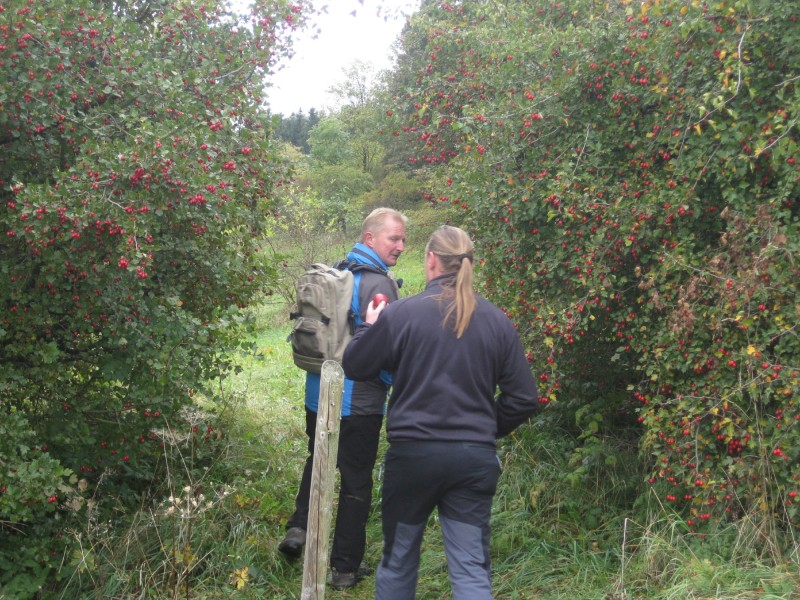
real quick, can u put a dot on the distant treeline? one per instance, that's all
(295, 128)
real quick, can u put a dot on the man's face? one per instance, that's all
(388, 242)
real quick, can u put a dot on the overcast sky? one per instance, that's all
(347, 31)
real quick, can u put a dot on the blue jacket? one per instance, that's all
(363, 397)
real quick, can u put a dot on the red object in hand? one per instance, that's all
(378, 298)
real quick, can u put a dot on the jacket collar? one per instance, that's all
(361, 253)
(445, 280)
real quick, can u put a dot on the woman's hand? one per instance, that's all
(374, 311)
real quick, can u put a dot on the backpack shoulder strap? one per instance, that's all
(371, 267)
(356, 267)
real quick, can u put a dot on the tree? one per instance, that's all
(630, 172)
(333, 176)
(360, 112)
(136, 179)
(329, 142)
(296, 127)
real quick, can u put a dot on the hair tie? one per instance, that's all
(461, 257)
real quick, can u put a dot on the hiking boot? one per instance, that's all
(292, 544)
(364, 570)
(343, 581)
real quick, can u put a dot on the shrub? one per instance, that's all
(135, 183)
(630, 174)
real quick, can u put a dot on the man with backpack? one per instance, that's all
(383, 237)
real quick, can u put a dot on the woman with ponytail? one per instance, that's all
(460, 381)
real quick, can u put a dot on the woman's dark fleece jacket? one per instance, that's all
(445, 388)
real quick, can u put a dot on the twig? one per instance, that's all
(622, 566)
(583, 148)
(738, 81)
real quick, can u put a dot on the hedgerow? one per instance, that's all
(136, 178)
(629, 172)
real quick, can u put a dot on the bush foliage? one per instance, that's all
(630, 174)
(135, 183)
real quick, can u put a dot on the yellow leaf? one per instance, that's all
(698, 129)
(751, 350)
(240, 577)
(548, 341)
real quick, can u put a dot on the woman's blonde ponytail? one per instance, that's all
(455, 252)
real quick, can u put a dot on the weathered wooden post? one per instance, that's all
(323, 475)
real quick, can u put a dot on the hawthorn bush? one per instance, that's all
(136, 179)
(629, 171)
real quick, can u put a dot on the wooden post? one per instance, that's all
(323, 475)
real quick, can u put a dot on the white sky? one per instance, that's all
(346, 31)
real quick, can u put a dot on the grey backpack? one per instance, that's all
(323, 321)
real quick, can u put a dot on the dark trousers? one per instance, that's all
(459, 479)
(358, 449)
